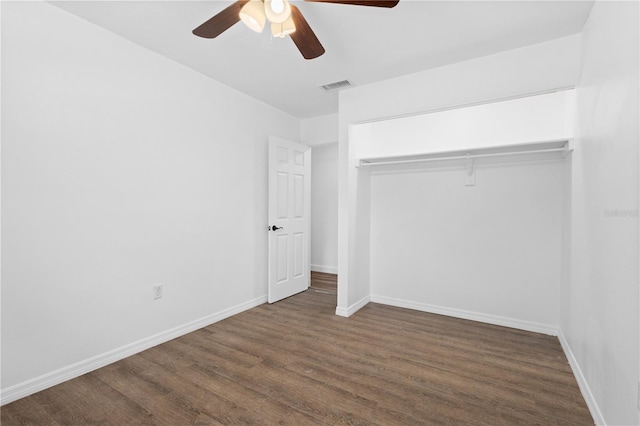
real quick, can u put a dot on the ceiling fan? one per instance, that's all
(285, 19)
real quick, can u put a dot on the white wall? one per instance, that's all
(527, 70)
(531, 119)
(488, 252)
(324, 208)
(121, 169)
(319, 130)
(322, 134)
(600, 300)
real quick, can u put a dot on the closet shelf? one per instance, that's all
(560, 146)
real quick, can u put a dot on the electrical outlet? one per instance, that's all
(157, 291)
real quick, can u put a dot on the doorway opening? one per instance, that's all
(324, 218)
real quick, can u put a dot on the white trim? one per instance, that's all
(536, 147)
(470, 315)
(319, 143)
(53, 378)
(325, 269)
(598, 418)
(347, 312)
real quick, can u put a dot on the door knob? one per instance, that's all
(275, 228)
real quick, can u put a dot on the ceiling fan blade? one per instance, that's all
(304, 37)
(373, 3)
(221, 22)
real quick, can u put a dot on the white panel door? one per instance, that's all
(289, 224)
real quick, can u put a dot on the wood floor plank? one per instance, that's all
(27, 411)
(219, 373)
(87, 401)
(295, 362)
(324, 281)
(163, 395)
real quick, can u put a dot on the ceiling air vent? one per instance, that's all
(336, 86)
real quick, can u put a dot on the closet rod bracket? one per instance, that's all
(470, 175)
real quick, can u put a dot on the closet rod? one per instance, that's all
(365, 163)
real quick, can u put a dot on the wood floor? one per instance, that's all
(295, 362)
(324, 281)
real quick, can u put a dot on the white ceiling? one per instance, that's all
(363, 44)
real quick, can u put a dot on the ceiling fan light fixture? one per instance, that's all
(253, 16)
(277, 11)
(283, 29)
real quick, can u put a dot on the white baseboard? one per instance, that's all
(470, 315)
(347, 312)
(53, 378)
(325, 269)
(598, 418)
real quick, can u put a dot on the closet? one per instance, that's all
(459, 212)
